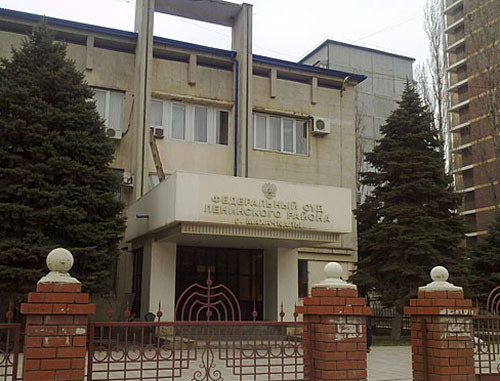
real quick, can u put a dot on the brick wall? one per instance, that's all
(56, 332)
(337, 340)
(442, 336)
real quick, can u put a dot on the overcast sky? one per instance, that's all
(285, 29)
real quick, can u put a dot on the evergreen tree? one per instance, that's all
(485, 262)
(56, 187)
(409, 224)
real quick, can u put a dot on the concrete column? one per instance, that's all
(56, 324)
(336, 336)
(162, 281)
(242, 44)
(144, 20)
(270, 284)
(280, 283)
(288, 277)
(442, 339)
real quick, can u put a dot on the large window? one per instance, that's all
(109, 104)
(280, 134)
(195, 123)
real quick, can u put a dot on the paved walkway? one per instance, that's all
(389, 363)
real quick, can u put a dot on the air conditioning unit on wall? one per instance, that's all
(321, 126)
(159, 132)
(113, 133)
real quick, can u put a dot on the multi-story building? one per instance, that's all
(386, 74)
(472, 48)
(235, 164)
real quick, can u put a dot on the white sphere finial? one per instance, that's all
(59, 261)
(333, 270)
(439, 276)
(333, 273)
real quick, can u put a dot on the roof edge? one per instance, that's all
(371, 50)
(313, 69)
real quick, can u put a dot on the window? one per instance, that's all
(280, 134)
(109, 105)
(190, 122)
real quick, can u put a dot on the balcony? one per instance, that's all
(453, 7)
(462, 147)
(458, 84)
(456, 44)
(457, 65)
(457, 24)
(460, 126)
(458, 106)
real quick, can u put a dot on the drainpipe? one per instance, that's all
(236, 98)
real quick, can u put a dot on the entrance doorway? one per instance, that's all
(238, 269)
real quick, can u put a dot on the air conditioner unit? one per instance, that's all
(113, 133)
(159, 132)
(128, 179)
(321, 126)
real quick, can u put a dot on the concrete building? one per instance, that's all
(233, 163)
(472, 35)
(386, 74)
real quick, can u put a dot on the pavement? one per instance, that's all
(389, 363)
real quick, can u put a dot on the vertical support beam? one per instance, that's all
(272, 81)
(288, 288)
(89, 53)
(144, 20)
(270, 269)
(162, 281)
(242, 44)
(314, 90)
(192, 70)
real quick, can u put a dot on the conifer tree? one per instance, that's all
(56, 187)
(485, 262)
(409, 224)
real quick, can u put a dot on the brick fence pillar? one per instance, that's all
(337, 339)
(442, 337)
(56, 324)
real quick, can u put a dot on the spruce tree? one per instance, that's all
(56, 187)
(409, 224)
(485, 262)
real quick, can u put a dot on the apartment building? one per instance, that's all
(234, 164)
(472, 49)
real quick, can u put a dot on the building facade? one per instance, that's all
(472, 49)
(386, 74)
(235, 165)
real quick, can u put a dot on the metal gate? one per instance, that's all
(207, 342)
(10, 334)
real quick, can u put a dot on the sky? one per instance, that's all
(285, 29)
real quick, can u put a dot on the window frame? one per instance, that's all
(107, 107)
(190, 119)
(282, 134)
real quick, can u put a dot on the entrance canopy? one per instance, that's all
(226, 211)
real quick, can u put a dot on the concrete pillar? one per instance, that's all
(442, 339)
(56, 324)
(336, 338)
(280, 283)
(270, 284)
(242, 44)
(144, 21)
(288, 288)
(162, 280)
